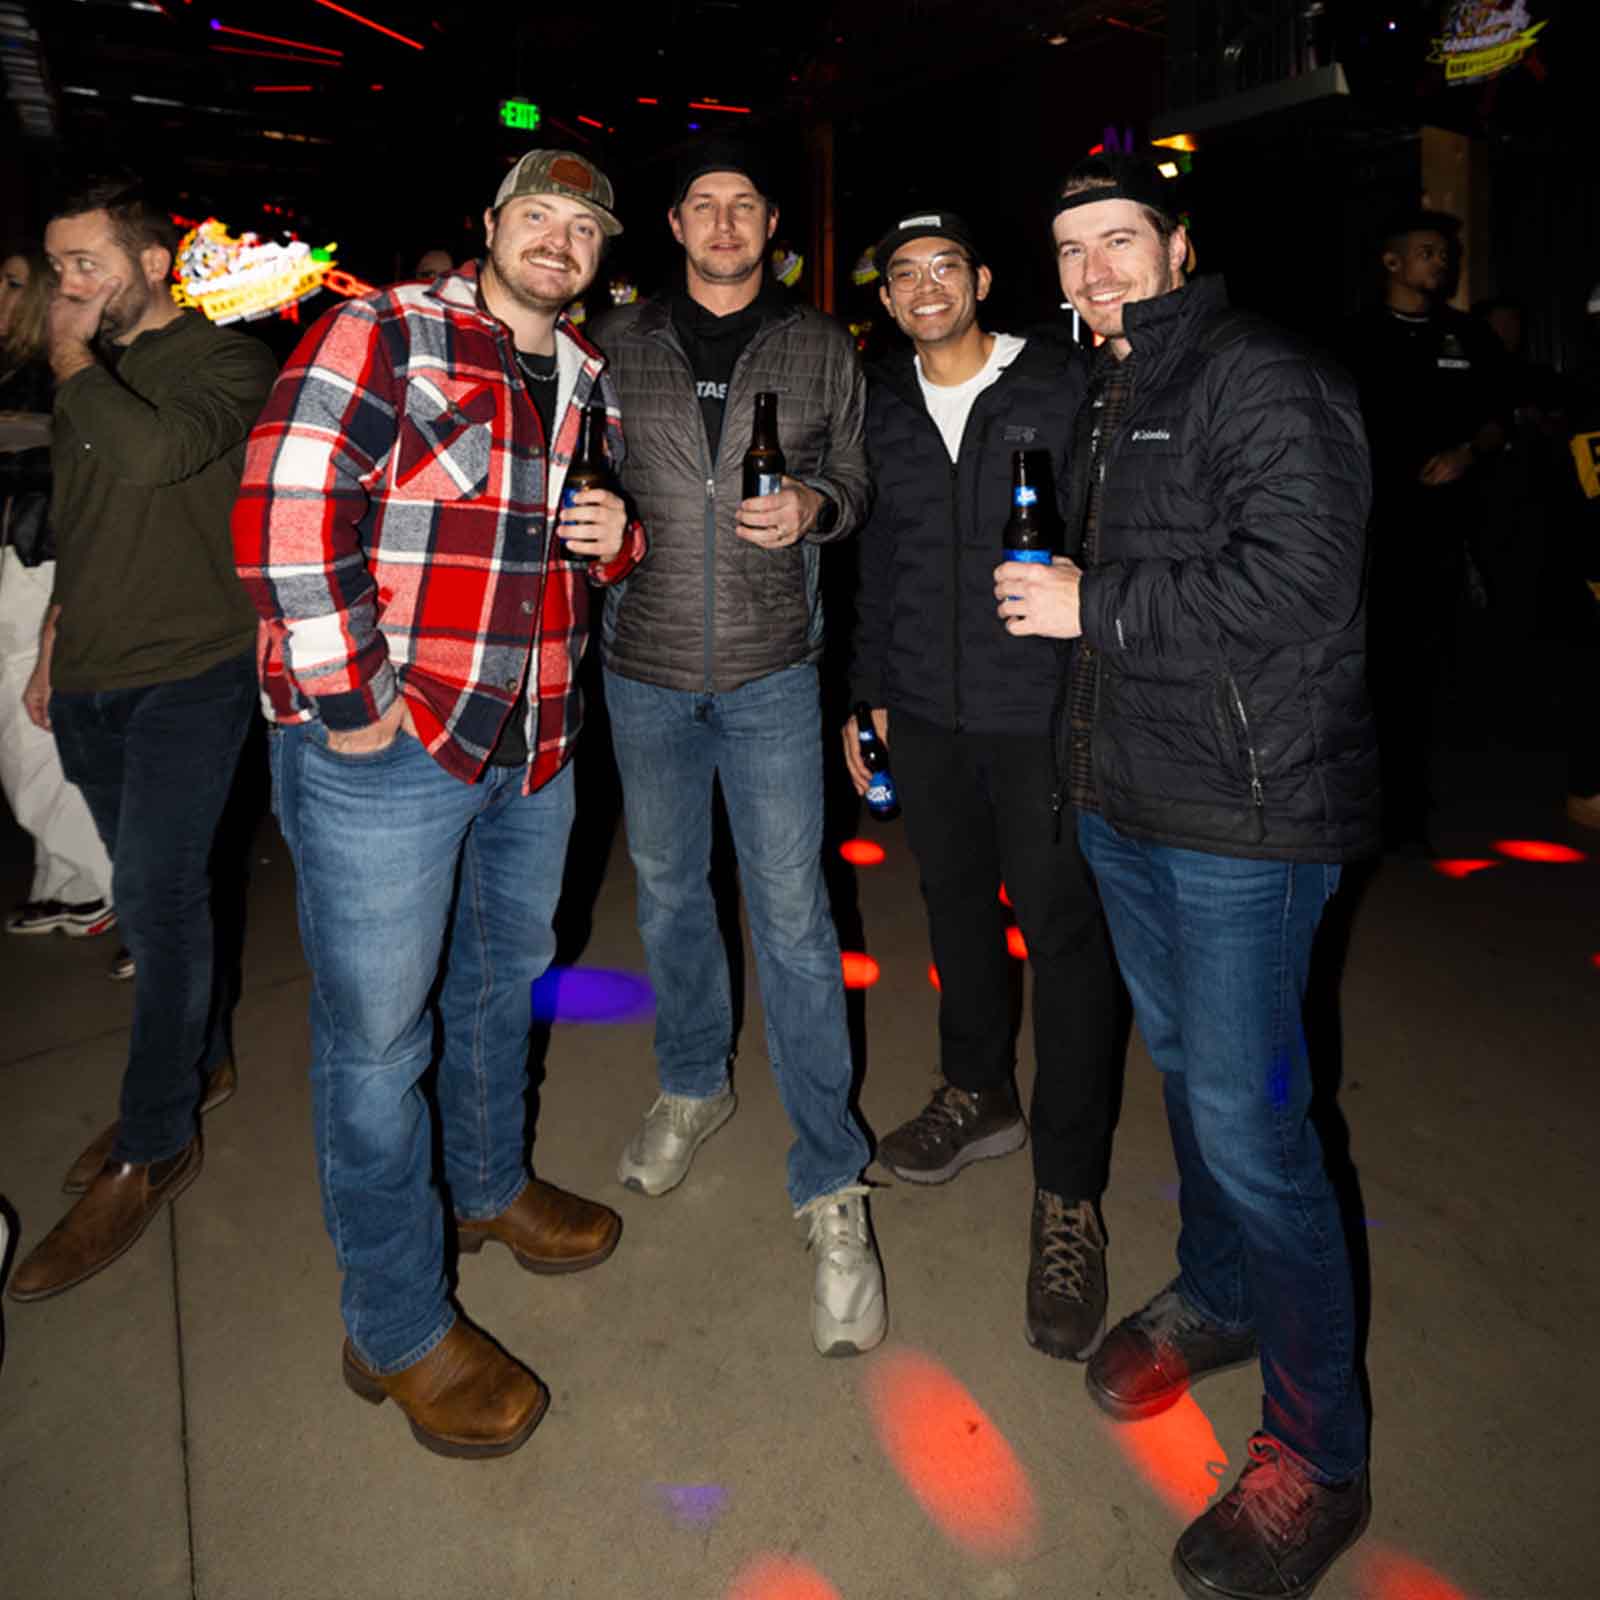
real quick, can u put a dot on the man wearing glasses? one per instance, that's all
(973, 760)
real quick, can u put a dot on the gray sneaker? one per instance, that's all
(848, 1314)
(658, 1155)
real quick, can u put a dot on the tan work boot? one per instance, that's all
(547, 1230)
(466, 1398)
(115, 1209)
(220, 1084)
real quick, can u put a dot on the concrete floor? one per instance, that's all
(177, 1426)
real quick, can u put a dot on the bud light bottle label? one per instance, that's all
(881, 796)
(1025, 495)
(766, 483)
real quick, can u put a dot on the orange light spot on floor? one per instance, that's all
(781, 1578)
(1177, 1454)
(1005, 899)
(1388, 1574)
(1016, 944)
(1462, 867)
(933, 974)
(1539, 850)
(861, 852)
(860, 971)
(951, 1456)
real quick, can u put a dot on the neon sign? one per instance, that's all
(520, 114)
(237, 279)
(1481, 39)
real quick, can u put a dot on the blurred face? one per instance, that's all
(723, 224)
(13, 280)
(932, 291)
(84, 253)
(543, 249)
(1109, 257)
(1421, 263)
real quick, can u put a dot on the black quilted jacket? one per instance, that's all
(928, 641)
(1225, 609)
(705, 609)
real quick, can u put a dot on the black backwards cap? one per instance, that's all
(715, 153)
(927, 225)
(1115, 177)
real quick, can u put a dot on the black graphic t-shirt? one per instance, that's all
(713, 344)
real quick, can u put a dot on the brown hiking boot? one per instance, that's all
(220, 1084)
(547, 1230)
(954, 1129)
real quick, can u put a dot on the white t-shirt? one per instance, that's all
(950, 405)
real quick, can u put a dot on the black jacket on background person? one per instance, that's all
(1225, 609)
(927, 639)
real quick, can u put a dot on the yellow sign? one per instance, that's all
(237, 279)
(1481, 39)
(1586, 457)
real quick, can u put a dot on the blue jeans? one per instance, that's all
(764, 741)
(155, 765)
(1216, 951)
(402, 870)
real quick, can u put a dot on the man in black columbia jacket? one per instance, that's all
(967, 708)
(1223, 762)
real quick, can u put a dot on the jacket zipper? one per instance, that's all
(1256, 794)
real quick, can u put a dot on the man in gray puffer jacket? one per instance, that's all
(711, 647)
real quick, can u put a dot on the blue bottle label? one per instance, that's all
(881, 794)
(1029, 555)
(1024, 495)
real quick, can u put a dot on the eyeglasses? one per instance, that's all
(905, 275)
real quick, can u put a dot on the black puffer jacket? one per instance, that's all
(927, 640)
(1225, 610)
(705, 609)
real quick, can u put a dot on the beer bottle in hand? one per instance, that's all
(588, 469)
(883, 799)
(763, 462)
(1029, 533)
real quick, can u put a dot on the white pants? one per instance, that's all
(69, 861)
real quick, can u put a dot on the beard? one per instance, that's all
(727, 269)
(125, 309)
(506, 270)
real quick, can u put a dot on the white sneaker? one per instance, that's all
(848, 1313)
(658, 1155)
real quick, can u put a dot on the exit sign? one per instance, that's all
(523, 114)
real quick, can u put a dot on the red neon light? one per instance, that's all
(1097, 149)
(713, 105)
(951, 1456)
(1015, 944)
(367, 22)
(273, 55)
(591, 122)
(1463, 868)
(1539, 850)
(281, 88)
(645, 100)
(272, 38)
(861, 852)
(860, 971)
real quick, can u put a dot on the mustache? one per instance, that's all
(551, 258)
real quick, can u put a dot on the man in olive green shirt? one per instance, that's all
(146, 675)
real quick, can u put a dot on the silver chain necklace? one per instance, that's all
(530, 374)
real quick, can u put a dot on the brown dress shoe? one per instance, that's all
(220, 1084)
(466, 1398)
(547, 1230)
(107, 1220)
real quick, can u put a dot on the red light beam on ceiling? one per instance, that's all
(272, 38)
(281, 88)
(1539, 850)
(951, 1456)
(275, 55)
(590, 122)
(367, 22)
(715, 105)
(1463, 867)
(646, 100)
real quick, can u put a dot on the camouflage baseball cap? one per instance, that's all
(562, 172)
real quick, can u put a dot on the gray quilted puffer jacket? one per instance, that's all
(706, 610)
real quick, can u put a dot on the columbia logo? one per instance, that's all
(1141, 434)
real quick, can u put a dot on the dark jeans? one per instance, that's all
(1216, 951)
(155, 766)
(977, 811)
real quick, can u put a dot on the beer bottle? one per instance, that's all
(764, 465)
(1030, 529)
(588, 469)
(883, 799)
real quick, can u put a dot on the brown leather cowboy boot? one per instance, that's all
(547, 1230)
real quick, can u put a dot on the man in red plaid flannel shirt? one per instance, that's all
(424, 592)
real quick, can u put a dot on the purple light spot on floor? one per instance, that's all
(592, 994)
(693, 1505)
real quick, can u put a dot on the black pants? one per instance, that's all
(977, 813)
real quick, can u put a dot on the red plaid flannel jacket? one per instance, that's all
(395, 527)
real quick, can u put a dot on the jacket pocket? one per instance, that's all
(445, 442)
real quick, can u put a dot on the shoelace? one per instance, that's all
(1270, 1492)
(833, 1223)
(1170, 1313)
(950, 1107)
(1064, 1251)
